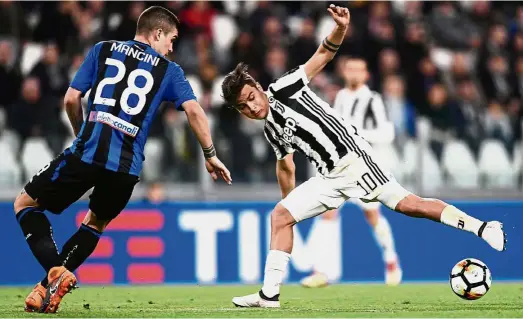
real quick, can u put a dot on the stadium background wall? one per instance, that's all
(226, 242)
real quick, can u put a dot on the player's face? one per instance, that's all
(164, 41)
(355, 72)
(253, 103)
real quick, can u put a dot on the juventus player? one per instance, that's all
(296, 119)
(364, 108)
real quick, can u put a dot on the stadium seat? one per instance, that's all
(495, 165)
(32, 53)
(431, 176)
(35, 155)
(153, 153)
(12, 139)
(388, 156)
(9, 169)
(196, 85)
(224, 31)
(459, 163)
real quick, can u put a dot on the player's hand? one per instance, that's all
(216, 168)
(340, 15)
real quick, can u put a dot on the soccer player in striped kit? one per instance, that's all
(358, 105)
(128, 82)
(296, 119)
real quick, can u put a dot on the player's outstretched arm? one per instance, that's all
(331, 43)
(285, 171)
(73, 107)
(200, 126)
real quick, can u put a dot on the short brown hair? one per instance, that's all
(234, 83)
(154, 18)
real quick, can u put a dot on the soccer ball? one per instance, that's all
(470, 279)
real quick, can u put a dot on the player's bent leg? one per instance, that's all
(280, 249)
(38, 233)
(400, 200)
(74, 253)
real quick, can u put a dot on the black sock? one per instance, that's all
(39, 236)
(78, 248)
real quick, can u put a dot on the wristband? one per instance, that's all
(209, 152)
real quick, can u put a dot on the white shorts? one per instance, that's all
(362, 179)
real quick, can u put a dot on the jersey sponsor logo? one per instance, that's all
(135, 53)
(289, 129)
(114, 122)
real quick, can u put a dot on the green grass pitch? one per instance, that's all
(348, 300)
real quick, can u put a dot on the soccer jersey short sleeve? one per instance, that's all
(289, 83)
(179, 90)
(83, 78)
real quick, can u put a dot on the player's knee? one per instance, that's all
(281, 217)
(23, 201)
(409, 204)
(92, 221)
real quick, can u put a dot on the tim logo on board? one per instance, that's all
(252, 242)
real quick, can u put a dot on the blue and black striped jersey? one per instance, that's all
(128, 82)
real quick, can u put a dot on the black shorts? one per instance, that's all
(67, 178)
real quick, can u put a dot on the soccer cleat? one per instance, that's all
(257, 300)
(493, 234)
(61, 281)
(316, 280)
(393, 274)
(34, 300)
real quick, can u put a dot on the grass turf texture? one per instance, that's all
(358, 300)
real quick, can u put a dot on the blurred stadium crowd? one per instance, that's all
(459, 65)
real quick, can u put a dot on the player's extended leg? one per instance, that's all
(326, 233)
(282, 237)
(38, 233)
(439, 211)
(75, 251)
(383, 234)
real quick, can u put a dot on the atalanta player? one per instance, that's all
(128, 82)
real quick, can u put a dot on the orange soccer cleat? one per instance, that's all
(61, 282)
(34, 300)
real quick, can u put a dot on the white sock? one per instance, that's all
(327, 248)
(456, 218)
(383, 235)
(275, 268)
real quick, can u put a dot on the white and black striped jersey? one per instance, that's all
(365, 109)
(299, 120)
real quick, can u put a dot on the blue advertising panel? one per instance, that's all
(212, 243)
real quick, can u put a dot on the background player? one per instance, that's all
(364, 109)
(297, 119)
(128, 81)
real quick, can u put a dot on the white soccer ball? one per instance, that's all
(470, 279)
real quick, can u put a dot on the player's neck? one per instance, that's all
(141, 38)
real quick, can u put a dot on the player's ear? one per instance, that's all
(157, 34)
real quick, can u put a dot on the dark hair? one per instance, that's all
(154, 18)
(234, 83)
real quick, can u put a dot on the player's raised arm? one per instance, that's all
(285, 172)
(331, 43)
